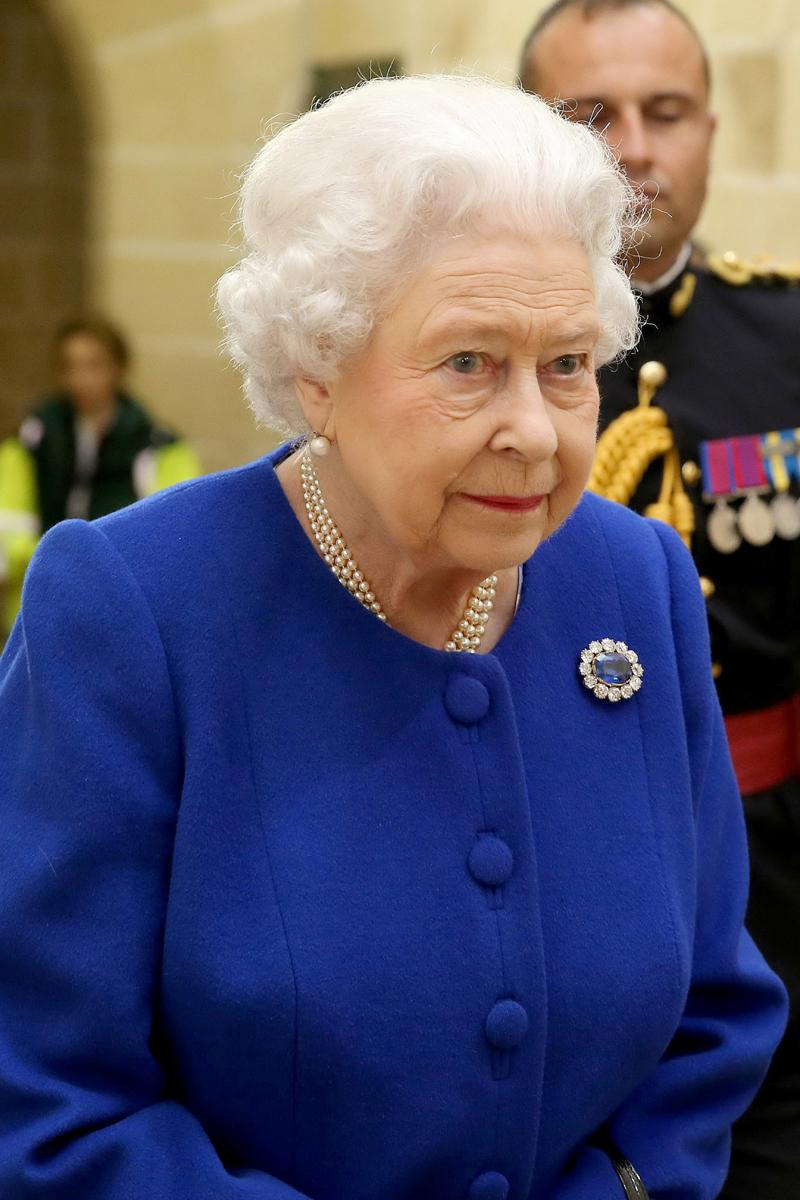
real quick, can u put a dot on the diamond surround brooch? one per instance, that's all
(611, 670)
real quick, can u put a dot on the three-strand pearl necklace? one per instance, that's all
(336, 553)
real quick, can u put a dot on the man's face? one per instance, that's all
(638, 75)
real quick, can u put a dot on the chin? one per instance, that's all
(495, 548)
(657, 242)
(506, 553)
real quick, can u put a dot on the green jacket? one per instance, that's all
(38, 474)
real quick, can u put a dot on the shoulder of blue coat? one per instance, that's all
(640, 547)
(186, 545)
(619, 526)
(192, 523)
(182, 513)
(78, 591)
(634, 545)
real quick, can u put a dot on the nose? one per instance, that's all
(630, 142)
(525, 428)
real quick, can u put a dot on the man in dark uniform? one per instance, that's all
(702, 428)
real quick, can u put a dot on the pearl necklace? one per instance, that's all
(336, 553)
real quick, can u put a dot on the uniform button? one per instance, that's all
(691, 473)
(466, 699)
(489, 1186)
(506, 1024)
(491, 861)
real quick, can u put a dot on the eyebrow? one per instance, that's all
(475, 328)
(603, 102)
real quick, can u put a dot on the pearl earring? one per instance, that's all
(319, 445)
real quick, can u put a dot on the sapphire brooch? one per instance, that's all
(611, 670)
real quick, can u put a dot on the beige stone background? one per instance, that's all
(123, 124)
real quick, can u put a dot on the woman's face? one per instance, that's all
(466, 430)
(88, 372)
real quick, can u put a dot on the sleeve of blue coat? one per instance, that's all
(89, 777)
(675, 1128)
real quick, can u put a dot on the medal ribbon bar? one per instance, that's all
(774, 448)
(748, 465)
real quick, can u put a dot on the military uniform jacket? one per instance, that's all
(293, 907)
(733, 362)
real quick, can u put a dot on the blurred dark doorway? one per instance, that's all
(43, 201)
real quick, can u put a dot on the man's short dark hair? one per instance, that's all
(591, 8)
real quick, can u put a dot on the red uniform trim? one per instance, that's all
(765, 745)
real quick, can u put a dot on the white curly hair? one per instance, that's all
(340, 208)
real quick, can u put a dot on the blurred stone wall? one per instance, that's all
(43, 201)
(179, 91)
(176, 93)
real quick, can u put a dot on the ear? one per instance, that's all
(316, 403)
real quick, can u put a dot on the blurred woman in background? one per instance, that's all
(85, 451)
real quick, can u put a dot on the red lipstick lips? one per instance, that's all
(507, 503)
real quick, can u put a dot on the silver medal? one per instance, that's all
(786, 514)
(722, 529)
(756, 521)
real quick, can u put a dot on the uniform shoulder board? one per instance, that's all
(764, 269)
(31, 432)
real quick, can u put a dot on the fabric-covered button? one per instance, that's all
(489, 1186)
(506, 1024)
(466, 699)
(491, 861)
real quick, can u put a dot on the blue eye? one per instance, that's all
(567, 364)
(466, 362)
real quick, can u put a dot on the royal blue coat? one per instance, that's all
(291, 906)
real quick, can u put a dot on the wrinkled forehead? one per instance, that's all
(624, 55)
(511, 287)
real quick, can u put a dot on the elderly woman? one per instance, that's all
(368, 830)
